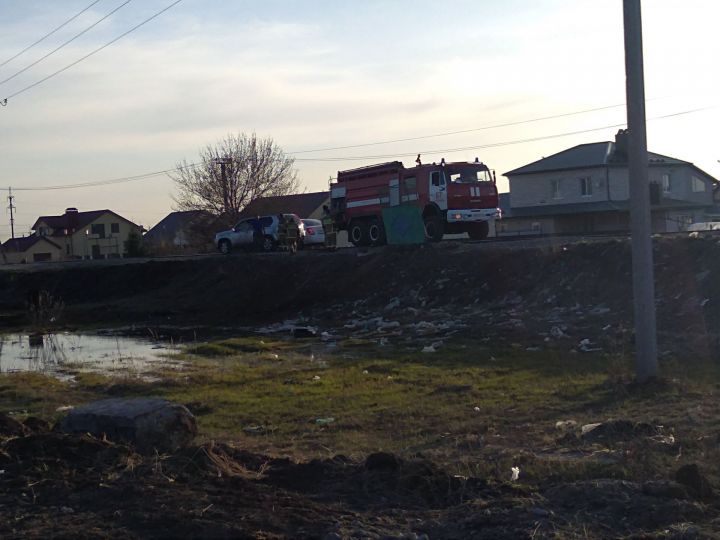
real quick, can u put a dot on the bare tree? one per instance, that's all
(254, 168)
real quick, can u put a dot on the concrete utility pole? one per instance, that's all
(11, 198)
(646, 365)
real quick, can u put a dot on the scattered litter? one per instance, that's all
(428, 349)
(586, 346)
(515, 474)
(587, 428)
(254, 430)
(702, 304)
(304, 332)
(532, 349)
(607, 327)
(316, 378)
(395, 302)
(476, 409)
(557, 332)
(565, 424)
(325, 336)
(599, 310)
(365, 372)
(64, 408)
(324, 421)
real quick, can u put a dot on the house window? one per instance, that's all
(556, 189)
(698, 186)
(115, 228)
(666, 183)
(98, 229)
(586, 186)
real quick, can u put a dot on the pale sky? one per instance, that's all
(318, 74)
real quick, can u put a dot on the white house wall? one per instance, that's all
(536, 189)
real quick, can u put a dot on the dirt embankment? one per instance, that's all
(574, 288)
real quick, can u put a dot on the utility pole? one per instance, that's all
(223, 162)
(646, 365)
(11, 198)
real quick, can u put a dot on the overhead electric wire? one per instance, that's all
(71, 19)
(494, 145)
(367, 157)
(493, 126)
(104, 182)
(93, 52)
(93, 25)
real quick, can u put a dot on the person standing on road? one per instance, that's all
(292, 233)
(328, 224)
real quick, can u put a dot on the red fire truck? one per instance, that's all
(451, 197)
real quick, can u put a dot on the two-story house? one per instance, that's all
(97, 234)
(586, 189)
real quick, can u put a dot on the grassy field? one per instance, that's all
(476, 411)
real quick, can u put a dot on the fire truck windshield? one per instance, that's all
(469, 175)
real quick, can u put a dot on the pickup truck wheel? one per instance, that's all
(268, 244)
(358, 233)
(433, 228)
(376, 233)
(479, 231)
(224, 247)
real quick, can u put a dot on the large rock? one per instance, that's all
(148, 423)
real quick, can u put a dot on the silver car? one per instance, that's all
(314, 232)
(257, 233)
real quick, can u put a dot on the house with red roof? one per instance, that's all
(96, 234)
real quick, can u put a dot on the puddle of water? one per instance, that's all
(62, 354)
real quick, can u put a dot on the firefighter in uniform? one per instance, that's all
(292, 232)
(329, 228)
(282, 231)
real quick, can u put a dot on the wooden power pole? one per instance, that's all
(646, 364)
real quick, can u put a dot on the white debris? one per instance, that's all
(515, 474)
(325, 336)
(532, 349)
(365, 372)
(557, 332)
(395, 302)
(389, 325)
(64, 408)
(587, 428)
(316, 378)
(476, 409)
(564, 425)
(428, 349)
(702, 304)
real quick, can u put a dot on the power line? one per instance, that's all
(93, 52)
(367, 157)
(495, 145)
(93, 25)
(50, 33)
(494, 126)
(104, 182)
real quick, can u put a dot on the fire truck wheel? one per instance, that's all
(358, 233)
(376, 233)
(479, 231)
(433, 228)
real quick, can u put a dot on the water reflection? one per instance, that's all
(61, 354)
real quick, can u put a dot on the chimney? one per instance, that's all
(71, 218)
(621, 145)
